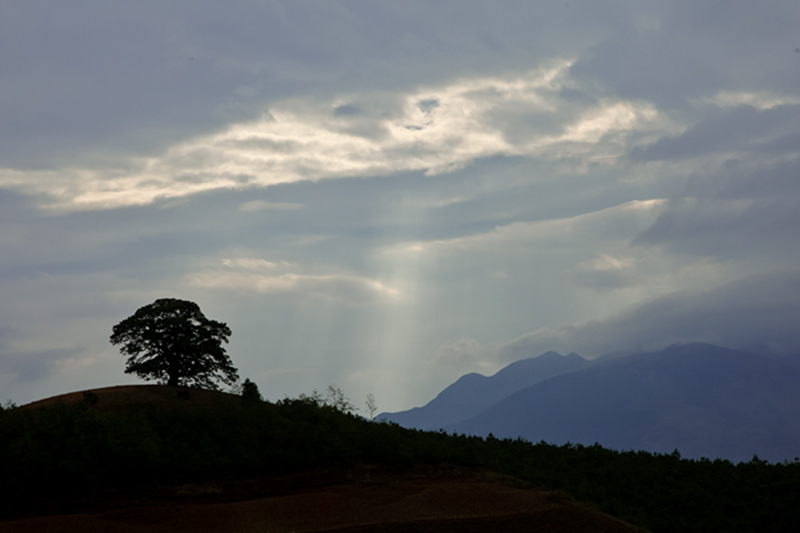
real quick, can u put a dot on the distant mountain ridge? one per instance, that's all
(473, 393)
(702, 399)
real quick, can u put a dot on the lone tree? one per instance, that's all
(171, 341)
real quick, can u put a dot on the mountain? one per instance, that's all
(704, 400)
(474, 393)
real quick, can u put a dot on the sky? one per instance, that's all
(386, 195)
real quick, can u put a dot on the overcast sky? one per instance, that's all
(386, 195)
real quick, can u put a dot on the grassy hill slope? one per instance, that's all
(110, 445)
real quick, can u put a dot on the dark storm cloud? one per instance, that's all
(757, 313)
(15, 207)
(606, 280)
(31, 366)
(126, 77)
(677, 51)
(740, 211)
(140, 242)
(87, 75)
(347, 110)
(85, 79)
(656, 66)
(740, 129)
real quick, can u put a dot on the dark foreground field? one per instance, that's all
(420, 503)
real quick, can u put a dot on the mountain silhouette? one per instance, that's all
(704, 400)
(474, 393)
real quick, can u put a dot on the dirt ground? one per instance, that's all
(440, 503)
(123, 396)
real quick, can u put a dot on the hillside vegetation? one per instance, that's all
(72, 451)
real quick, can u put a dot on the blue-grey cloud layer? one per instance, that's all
(384, 195)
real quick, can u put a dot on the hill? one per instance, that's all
(704, 400)
(87, 466)
(127, 397)
(167, 458)
(474, 393)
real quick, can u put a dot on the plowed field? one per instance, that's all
(430, 503)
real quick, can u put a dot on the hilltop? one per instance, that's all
(126, 397)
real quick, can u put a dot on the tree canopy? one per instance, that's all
(171, 341)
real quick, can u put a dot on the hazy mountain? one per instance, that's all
(704, 400)
(474, 393)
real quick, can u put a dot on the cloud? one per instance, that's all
(743, 209)
(261, 205)
(757, 313)
(266, 277)
(671, 53)
(607, 273)
(347, 110)
(30, 366)
(618, 222)
(463, 356)
(428, 171)
(459, 352)
(463, 351)
(436, 129)
(729, 131)
(760, 100)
